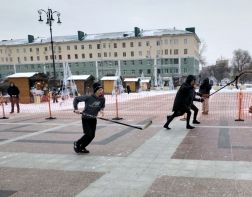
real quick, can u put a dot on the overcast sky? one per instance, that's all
(224, 25)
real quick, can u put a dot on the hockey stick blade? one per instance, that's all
(146, 125)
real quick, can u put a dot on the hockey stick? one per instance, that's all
(128, 125)
(235, 80)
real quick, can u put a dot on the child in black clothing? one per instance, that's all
(93, 105)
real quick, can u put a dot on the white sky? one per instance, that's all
(224, 25)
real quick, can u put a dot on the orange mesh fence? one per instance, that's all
(231, 105)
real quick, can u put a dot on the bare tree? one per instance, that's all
(241, 60)
(202, 49)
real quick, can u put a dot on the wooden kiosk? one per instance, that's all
(134, 83)
(21, 80)
(83, 83)
(108, 83)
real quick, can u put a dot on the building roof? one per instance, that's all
(101, 36)
(22, 75)
(109, 78)
(131, 79)
(146, 80)
(78, 77)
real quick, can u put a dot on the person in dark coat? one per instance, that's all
(183, 102)
(93, 105)
(55, 94)
(13, 91)
(128, 89)
(204, 89)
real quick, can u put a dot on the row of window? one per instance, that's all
(98, 46)
(99, 55)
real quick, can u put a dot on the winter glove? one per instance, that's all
(250, 109)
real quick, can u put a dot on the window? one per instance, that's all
(176, 61)
(98, 46)
(90, 55)
(139, 44)
(148, 71)
(59, 48)
(170, 51)
(90, 46)
(175, 51)
(69, 56)
(124, 54)
(18, 59)
(132, 62)
(131, 44)
(166, 51)
(185, 51)
(98, 54)
(83, 55)
(38, 58)
(46, 57)
(132, 53)
(76, 56)
(68, 48)
(30, 49)
(45, 49)
(37, 50)
(82, 46)
(147, 43)
(123, 45)
(75, 47)
(124, 63)
(158, 43)
(115, 45)
(105, 54)
(185, 61)
(60, 57)
(141, 62)
(115, 54)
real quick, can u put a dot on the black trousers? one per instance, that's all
(196, 110)
(89, 128)
(179, 113)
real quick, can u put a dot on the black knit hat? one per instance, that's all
(190, 78)
(96, 86)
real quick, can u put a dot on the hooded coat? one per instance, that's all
(185, 96)
(205, 87)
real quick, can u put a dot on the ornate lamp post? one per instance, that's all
(49, 19)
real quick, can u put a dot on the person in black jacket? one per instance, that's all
(93, 105)
(204, 89)
(13, 91)
(183, 102)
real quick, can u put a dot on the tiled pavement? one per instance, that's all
(214, 159)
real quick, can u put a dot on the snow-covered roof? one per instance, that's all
(131, 79)
(78, 77)
(101, 36)
(109, 78)
(25, 75)
(145, 80)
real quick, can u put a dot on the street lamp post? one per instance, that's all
(49, 19)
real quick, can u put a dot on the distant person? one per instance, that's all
(93, 105)
(55, 94)
(250, 109)
(128, 89)
(13, 91)
(183, 102)
(204, 89)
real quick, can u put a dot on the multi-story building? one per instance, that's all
(152, 53)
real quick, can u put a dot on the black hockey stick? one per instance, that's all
(235, 80)
(128, 125)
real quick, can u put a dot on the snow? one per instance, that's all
(131, 79)
(111, 78)
(78, 77)
(24, 75)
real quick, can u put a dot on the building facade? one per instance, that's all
(152, 53)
